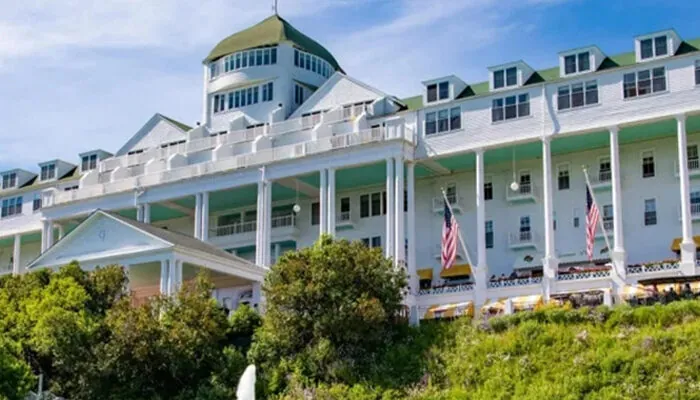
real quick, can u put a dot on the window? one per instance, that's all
(9, 180)
(12, 206)
(563, 177)
(443, 120)
(213, 70)
(364, 206)
(515, 107)
(505, 77)
(309, 62)
(345, 209)
(525, 229)
(267, 92)
(432, 93)
(488, 190)
(451, 193)
(489, 234)
(608, 216)
(648, 169)
(654, 47)
(48, 171)
(576, 63)
(697, 72)
(298, 94)
(443, 90)
(70, 188)
(89, 162)
(576, 222)
(315, 213)
(649, 212)
(372, 204)
(525, 182)
(644, 82)
(375, 241)
(376, 204)
(577, 95)
(36, 204)
(693, 157)
(604, 171)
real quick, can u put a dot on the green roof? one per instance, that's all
(36, 184)
(179, 124)
(270, 31)
(552, 74)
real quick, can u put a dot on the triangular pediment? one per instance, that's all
(157, 131)
(338, 90)
(100, 237)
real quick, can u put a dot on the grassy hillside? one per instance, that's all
(626, 353)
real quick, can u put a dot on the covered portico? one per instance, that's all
(156, 260)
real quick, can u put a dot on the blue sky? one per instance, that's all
(77, 75)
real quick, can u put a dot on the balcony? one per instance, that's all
(225, 164)
(447, 289)
(525, 192)
(584, 275)
(456, 202)
(693, 168)
(653, 268)
(601, 180)
(243, 233)
(522, 240)
(345, 220)
(507, 283)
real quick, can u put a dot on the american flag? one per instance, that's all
(592, 217)
(450, 230)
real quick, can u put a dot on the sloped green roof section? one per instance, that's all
(552, 74)
(179, 124)
(413, 103)
(270, 31)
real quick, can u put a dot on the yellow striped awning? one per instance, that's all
(450, 310)
(495, 305)
(676, 244)
(638, 291)
(425, 274)
(456, 271)
(527, 302)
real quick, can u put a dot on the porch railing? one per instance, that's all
(237, 228)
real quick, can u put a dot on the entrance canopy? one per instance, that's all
(106, 238)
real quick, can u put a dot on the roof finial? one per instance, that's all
(274, 6)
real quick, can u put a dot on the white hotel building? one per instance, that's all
(290, 147)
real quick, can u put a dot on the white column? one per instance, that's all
(43, 235)
(550, 263)
(323, 202)
(389, 247)
(480, 273)
(16, 253)
(259, 224)
(256, 298)
(618, 253)
(267, 231)
(49, 233)
(399, 232)
(413, 283)
(139, 212)
(331, 202)
(175, 276)
(61, 231)
(480, 212)
(146, 213)
(197, 215)
(164, 277)
(204, 236)
(688, 244)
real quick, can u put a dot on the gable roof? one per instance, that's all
(36, 184)
(169, 238)
(147, 127)
(270, 31)
(179, 124)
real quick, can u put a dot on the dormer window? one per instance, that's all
(48, 171)
(505, 77)
(577, 63)
(438, 91)
(89, 162)
(9, 180)
(653, 47)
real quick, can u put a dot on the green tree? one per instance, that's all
(15, 375)
(331, 309)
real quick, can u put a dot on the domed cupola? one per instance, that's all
(271, 31)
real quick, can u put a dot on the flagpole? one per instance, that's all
(600, 211)
(459, 230)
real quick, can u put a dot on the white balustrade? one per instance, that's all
(653, 267)
(238, 228)
(585, 275)
(466, 287)
(514, 282)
